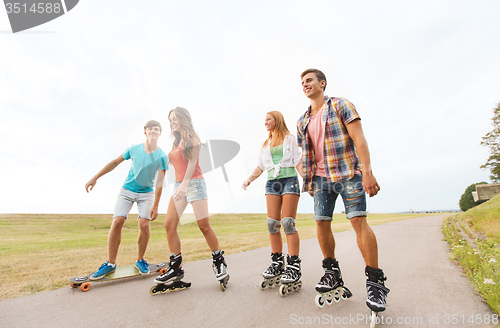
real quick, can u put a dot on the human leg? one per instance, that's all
(289, 211)
(274, 222)
(324, 205)
(200, 208)
(355, 203)
(367, 242)
(144, 205)
(174, 212)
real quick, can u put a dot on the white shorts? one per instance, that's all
(126, 199)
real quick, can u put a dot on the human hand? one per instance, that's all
(154, 212)
(370, 185)
(246, 184)
(180, 192)
(90, 184)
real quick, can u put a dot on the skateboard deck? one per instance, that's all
(83, 282)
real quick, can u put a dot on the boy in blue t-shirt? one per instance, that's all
(147, 159)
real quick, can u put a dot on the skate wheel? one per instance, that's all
(373, 319)
(85, 287)
(263, 284)
(297, 287)
(329, 300)
(320, 302)
(163, 271)
(153, 291)
(277, 282)
(283, 290)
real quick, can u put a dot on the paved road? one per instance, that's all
(427, 290)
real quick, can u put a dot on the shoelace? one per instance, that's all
(103, 266)
(145, 262)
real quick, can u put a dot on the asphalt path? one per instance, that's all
(427, 290)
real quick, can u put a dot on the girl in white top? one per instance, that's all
(281, 158)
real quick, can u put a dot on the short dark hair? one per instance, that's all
(151, 124)
(319, 75)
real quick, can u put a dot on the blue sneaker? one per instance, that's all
(142, 266)
(105, 269)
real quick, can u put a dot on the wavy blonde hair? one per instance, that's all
(280, 129)
(187, 136)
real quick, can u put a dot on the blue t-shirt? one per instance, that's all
(144, 167)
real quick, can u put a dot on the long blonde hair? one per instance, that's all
(280, 129)
(187, 134)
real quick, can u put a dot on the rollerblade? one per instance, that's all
(377, 292)
(290, 280)
(273, 274)
(171, 279)
(331, 286)
(220, 268)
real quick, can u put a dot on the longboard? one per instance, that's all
(83, 282)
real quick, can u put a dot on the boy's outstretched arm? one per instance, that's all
(158, 190)
(108, 168)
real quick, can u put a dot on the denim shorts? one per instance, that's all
(196, 190)
(126, 199)
(283, 186)
(325, 195)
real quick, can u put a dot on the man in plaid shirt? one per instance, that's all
(336, 160)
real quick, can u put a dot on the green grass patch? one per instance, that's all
(41, 252)
(474, 239)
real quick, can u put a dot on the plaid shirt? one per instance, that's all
(341, 159)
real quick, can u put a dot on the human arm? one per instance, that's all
(180, 192)
(299, 168)
(255, 174)
(158, 190)
(106, 169)
(370, 183)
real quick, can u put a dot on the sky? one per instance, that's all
(76, 92)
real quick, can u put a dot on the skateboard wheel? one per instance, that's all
(163, 270)
(320, 302)
(85, 287)
(73, 285)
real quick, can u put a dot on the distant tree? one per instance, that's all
(467, 201)
(492, 141)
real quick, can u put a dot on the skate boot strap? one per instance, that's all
(381, 287)
(293, 267)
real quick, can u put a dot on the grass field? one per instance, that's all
(40, 252)
(474, 238)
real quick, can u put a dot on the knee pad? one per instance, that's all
(273, 226)
(288, 225)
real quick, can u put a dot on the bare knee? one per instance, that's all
(118, 222)
(170, 224)
(204, 226)
(143, 224)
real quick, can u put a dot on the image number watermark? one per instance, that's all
(357, 319)
(24, 15)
